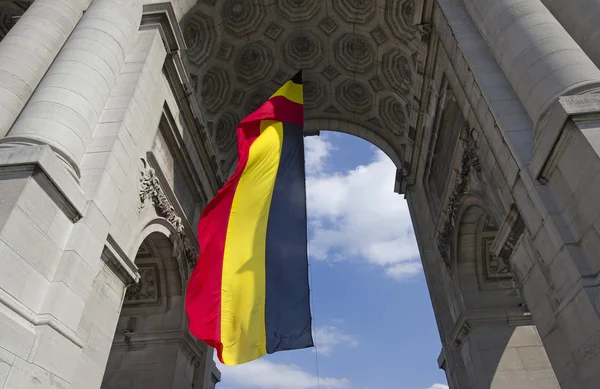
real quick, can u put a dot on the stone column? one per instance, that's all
(29, 48)
(580, 19)
(540, 59)
(65, 108)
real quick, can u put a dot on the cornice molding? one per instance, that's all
(467, 320)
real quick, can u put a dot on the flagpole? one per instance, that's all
(310, 287)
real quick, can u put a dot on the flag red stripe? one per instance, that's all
(203, 298)
(280, 109)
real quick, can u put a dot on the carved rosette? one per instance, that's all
(314, 93)
(199, 35)
(151, 192)
(355, 11)
(254, 62)
(397, 71)
(392, 113)
(146, 290)
(215, 89)
(354, 53)
(225, 130)
(302, 50)
(354, 96)
(400, 14)
(242, 17)
(297, 10)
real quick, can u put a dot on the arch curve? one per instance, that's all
(161, 226)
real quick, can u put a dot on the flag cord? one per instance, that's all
(313, 315)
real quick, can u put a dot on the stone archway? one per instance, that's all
(359, 60)
(493, 333)
(152, 347)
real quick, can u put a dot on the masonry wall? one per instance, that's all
(68, 241)
(523, 160)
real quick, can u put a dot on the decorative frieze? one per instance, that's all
(469, 163)
(151, 192)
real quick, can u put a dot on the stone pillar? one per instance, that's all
(580, 19)
(540, 59)
(29, 48)
(66, 106)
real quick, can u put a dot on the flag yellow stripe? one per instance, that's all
(243, 288)
(291, 91)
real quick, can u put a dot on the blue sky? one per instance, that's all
(373, 321)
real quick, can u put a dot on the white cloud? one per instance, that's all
(356, 214)
(264, 374)
(330, 337)
(316, 150)
(439, 386)
(402, 271)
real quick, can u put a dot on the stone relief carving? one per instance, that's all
(151, 192)
(254, 62)
(147, 290)
(242, 17)
(355, 11)
(302, 50)
(393, 114)
(354, 96)
(297, 10)
(469, 163)
(199, 38)
(354, 53)
(215, 88)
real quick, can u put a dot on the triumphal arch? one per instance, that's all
(116, 128)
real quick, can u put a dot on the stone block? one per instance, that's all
(38, 206)
(523, 379)
(535, 287)
(6, 361)
(85, 243)
(579, 320)
(534, 358)
(64, 304)
(20, 279)
(501, 360)
(18, 234)
(50, 344)
(75, 273)
(98, 346)
(90, 374)
(107, 195)
(14, 337)
(60, 229)
(101, 313)
(529, 212)
(27, 375)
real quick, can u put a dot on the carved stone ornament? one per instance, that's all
(151, 191)
(146, 291)
(469, 162)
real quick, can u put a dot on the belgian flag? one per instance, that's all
(248, 295)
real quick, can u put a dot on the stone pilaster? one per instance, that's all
(67, 105)
(29, 48)
(540, 59)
